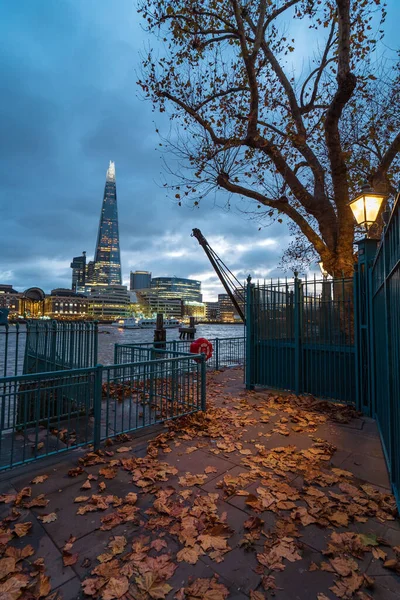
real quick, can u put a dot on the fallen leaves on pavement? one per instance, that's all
(172, 520)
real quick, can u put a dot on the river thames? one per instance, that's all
(109, 335)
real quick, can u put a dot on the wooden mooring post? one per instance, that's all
(160, 335)
(187, 333)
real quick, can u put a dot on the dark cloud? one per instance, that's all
(69, 104)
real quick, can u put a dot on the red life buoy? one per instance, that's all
(202, 346)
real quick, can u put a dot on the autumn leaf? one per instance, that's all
(102, 486)
(81, 498)
(7, 566)
(256, 595)
(189, 479)
(150, 583)
(124, 449)
(117, 544)
(158, 544)
(39, 479)
(43, 586)
(75, 472)
(48, 518)
(339, 518)
(344, 566)
(39, 501)
(86, 486)
(368, 539)
(115, 588)
(21, 529)
(19, 553)
(12, 588)
(108, 472)
(189, 555)
(69, 559)
(210, 470)
(378, 553)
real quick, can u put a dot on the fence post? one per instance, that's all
(97, 396)
(203, 388)
(95, 345)
(297, 334)
(250, 340)
(216, 354)
(365, 357)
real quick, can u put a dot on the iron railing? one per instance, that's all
(300, 337)
(42, 346)
(46, 413)
(227, 352)
(384, 298)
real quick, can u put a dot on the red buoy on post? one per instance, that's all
(202, 346)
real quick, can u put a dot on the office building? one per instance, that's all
(177, 287)
(151, 304)
(212, 311)
(78, 267)
(107, 261)
(227, 311)
(66, 304)
(11, 299)
(108, 303)
(140, 280)
(194, 309)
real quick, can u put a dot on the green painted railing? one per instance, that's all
(43, 414)
(384, 343)
(300, 337)
(227, 352)
(42, 346)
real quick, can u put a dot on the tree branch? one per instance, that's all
(282, 205)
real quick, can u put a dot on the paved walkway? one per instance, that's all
(265, 495)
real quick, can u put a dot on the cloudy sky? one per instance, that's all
(69, 104)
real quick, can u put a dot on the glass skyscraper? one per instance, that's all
(107, 261)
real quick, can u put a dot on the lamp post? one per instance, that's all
(366, 206)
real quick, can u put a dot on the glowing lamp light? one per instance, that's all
(366, 206)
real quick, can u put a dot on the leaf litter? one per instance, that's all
(183, 523)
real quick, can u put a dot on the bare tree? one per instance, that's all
(296, 141)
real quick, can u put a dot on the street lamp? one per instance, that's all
(366, 206)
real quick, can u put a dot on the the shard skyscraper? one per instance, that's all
(107, 260)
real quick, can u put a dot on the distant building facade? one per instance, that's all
(140, 280)
(151, 303)
(78, 267)
(212, 311)
(177, 287)
(194, 309)
(108, 303)
(11, 299)
(66, 304)
(227, 311)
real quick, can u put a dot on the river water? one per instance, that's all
(12, 346)
(108, 336)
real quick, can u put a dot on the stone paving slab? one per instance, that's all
(358, 450)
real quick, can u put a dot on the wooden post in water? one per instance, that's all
(187, 333)
(160, 335)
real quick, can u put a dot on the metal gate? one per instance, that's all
(300, 337)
